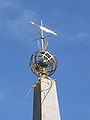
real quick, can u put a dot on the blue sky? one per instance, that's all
(71, 21)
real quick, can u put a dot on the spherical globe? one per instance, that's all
(43, 62)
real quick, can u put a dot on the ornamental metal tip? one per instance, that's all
(32, 23)
(42, 43)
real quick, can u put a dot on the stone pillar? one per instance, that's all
(45, 106)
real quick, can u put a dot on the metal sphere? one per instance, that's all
(43, 62)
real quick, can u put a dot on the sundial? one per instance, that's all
(43, 61)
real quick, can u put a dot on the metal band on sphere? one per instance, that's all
(43, 62)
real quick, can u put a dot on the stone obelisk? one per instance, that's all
(46, 108)
(43, 63)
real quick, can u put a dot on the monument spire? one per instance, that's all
(43, 63)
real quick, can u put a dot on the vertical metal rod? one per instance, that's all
(42, 35)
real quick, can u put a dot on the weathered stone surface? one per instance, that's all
(46, 105)
(37, 103)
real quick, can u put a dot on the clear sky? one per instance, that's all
(70, 19)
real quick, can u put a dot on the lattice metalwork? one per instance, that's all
(43, 62)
